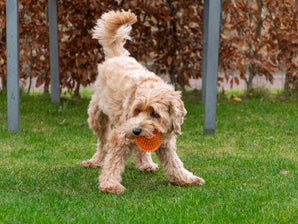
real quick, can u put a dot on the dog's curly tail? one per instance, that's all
(112, 30)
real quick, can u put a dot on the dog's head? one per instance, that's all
(156, 107)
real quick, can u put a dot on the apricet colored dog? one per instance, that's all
(136, 102)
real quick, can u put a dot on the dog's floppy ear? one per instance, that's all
(177, 112)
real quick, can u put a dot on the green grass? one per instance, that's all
(42, 181)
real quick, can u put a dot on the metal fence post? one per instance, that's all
(54, 51)
(12, 54)
(210, 62)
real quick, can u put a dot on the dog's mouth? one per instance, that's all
(138, 132)
(149, 144)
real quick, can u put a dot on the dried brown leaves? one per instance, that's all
(257, 37)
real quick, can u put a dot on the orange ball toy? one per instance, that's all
(149, 144)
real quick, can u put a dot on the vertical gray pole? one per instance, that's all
(54, 52)
(12, 52)
(210, 62)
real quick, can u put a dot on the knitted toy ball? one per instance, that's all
(149, 144)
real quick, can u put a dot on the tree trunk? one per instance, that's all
(174, 47)
(46, 85)
(30, 76)
(77, 90)
(30, 83)
(172, 75)
(252, 68)
(287, 82)
(251, 74)
(4, 84)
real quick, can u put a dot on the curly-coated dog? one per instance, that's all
(136, 102)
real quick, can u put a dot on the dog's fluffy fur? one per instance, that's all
(129, 96)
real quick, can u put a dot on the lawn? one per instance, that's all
(42, 181)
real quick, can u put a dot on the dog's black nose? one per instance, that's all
(137, 131)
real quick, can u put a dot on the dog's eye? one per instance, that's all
(137, 111)
(154, 115)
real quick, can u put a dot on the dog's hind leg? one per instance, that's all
(143, 161)
(100, 123)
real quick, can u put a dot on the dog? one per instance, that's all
(130, 101)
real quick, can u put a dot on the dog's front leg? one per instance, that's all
(144, 161)
(117, 154)
(173, 166)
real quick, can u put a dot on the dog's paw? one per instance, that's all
(89, 163)
(194, 180)
(199, 181)
(150, 167)
(115, 189)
